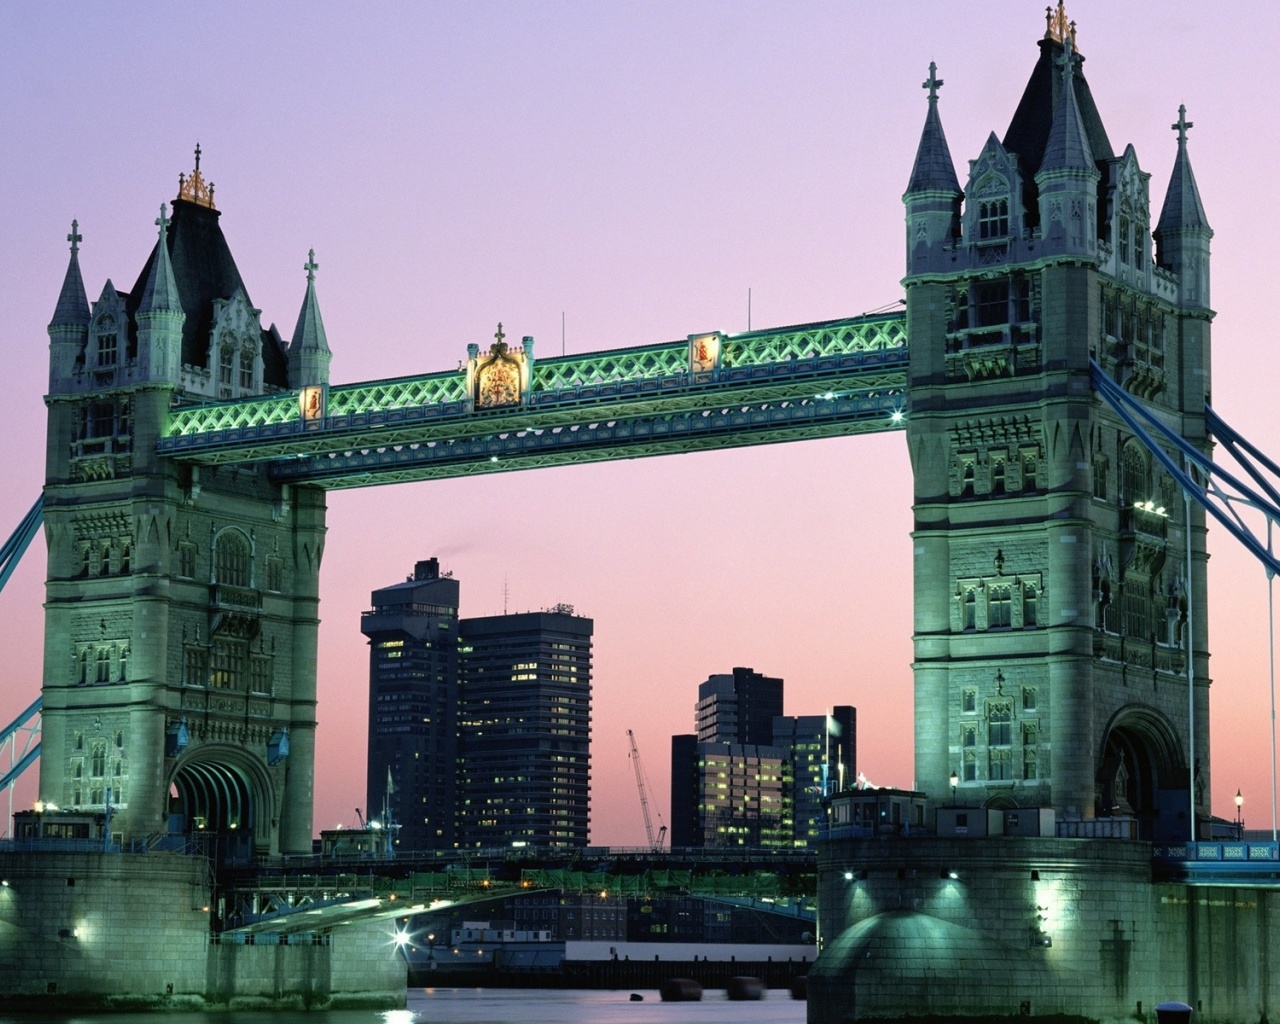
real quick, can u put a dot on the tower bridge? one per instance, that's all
(1052, 374)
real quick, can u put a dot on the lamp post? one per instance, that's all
(955, 781)
(1239, 815)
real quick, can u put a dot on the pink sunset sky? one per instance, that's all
(636, 167)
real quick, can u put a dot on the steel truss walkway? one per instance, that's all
(815, 380)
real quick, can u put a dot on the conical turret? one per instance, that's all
(309, 354)
(69, 328)
(160, 315)
(933, 193)
(1068, 176)
(1183, 233)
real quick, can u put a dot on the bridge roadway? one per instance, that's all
(303, 895)
(824, 379)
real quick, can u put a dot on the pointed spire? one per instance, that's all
(1067, 148)
(72, 309)
(1182, 207)
(160, 295)
(933, 169)
(309, 353)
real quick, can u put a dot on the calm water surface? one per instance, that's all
(492, 1006)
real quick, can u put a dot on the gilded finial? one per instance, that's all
(193, 188)
(1058, 27)
(933, 83)
(311, 266)
(75, 238)
(1180, 126)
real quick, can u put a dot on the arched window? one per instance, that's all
(233, 559)
(98, 759)
(1000, 725)
(1134, 485)
(108, 345)
(226, 369)
(246, 370)
(999, 607)
(993, 218)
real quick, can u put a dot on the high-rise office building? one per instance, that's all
(525, 729)
(821, 751)
(751, 776)
(413, 699)
(738, 707)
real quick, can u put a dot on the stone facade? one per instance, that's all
(946, 928)
(96, 931)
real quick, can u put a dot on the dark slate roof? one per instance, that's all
(933, 169)
(72, 309)
(1182, 207)
(1028, 132)
(203, 270)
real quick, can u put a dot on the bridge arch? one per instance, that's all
(1142, 772)
(221, 789)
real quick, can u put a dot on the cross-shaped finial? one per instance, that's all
(933, 83)
(197, 156)
(75, 238)
(498, 334)
(162, 222)
(1182, 124)
(311, 266)
(1065, 60)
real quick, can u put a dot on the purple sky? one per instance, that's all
(637, 167)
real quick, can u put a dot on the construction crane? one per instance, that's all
(655, 845)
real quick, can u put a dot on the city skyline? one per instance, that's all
(639, 172)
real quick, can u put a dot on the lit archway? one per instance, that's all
(224, 791)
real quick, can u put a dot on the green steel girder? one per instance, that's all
(272, 427)
(885, 376)
(835, 415)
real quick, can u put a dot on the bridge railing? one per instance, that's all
(1239, 851)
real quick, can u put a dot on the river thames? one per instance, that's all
(488, 1006)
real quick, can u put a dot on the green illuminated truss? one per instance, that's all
(815, 380)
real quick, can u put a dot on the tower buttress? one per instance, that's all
(1050, 576)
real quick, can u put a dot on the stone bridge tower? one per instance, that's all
(181, 602)
(1051, 577)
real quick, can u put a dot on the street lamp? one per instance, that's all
(1240, 812)
(955, 781)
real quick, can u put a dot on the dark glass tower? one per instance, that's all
(525, 729)
(413, 700)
